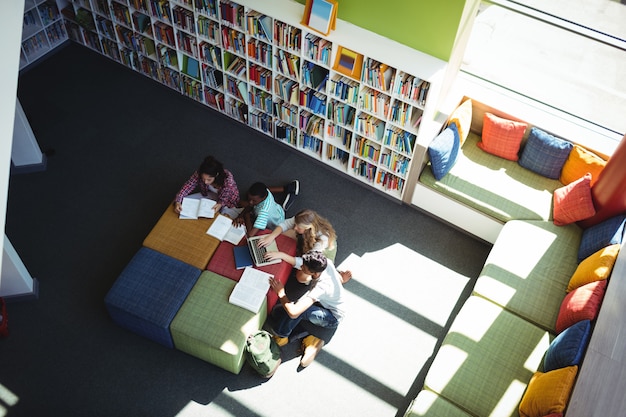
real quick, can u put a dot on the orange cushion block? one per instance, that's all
(579, 162)
(185, 240)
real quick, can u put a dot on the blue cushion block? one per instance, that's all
(545, 154)
(444, 151)
(568, 347)
(601, 235)
(148, 294)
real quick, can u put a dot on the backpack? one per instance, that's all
(263, 353)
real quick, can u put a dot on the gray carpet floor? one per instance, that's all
(119, 146)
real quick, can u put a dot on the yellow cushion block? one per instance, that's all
(185, 240)
(548, 392)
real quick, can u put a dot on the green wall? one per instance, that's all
(429, 26)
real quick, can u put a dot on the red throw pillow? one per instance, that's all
(573, 202)
(502, 137)
(581, 304)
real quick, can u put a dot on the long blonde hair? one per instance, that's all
(314, 225)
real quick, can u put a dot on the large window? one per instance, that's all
(567, 54)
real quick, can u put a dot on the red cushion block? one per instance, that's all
(223, 263)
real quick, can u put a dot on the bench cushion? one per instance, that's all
(185, 240)
(487, 359)
(429, 404)
(148, 293)
(497, 187)
(529, 268)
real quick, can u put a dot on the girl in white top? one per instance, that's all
(312, 231)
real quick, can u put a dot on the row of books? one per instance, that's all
(404, 114)
(288, 64)
(237, 67)
(192, 88)
(259, 25)
(412, 88)
(286, 133)
(287, 36)
(364, 169)
(339, 132)
(389, 181)
(375, 102)
(311, 124)
(233, 40)
(287, 89)
(317, 49)
(341, 113)
(214, 98)
(161, 10)
(286, 113)
(142, 23)
(208, 29)
(121, 14)
(396, 163)
(310, 143)
(168, 57)
(378, 75)
(236, 109)
(213, 77)
(187, 43)
(367, 149)
(261, 100)
(184, 19)
(232, 13)
(314, 100)
(370, 126)
(260, 76)
(260, 52)
(164, 33)
(346, 90)
(105, 26)
(207, 7)
(334, 153)
(211, 54)
(237, 88)
(399, 140)
(262, 122)
(314, 76)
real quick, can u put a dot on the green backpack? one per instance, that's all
(262, 353)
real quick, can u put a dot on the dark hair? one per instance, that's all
(214, 168)
(258, 189)
(315, 261)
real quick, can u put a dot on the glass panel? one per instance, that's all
(559, 68)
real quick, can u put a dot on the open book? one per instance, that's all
(251, 289)
(194, 206)
(224, 229)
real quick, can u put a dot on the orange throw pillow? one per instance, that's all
(579, 162)
(502, 137)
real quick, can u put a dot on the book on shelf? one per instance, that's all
(251, 290)
(195, 206)
(223, 229)
(242, 255)
(320, 15)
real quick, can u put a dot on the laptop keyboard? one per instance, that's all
(259, 253)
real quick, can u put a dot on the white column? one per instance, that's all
(15, 279)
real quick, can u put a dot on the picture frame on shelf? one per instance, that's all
(320, 15)
(349, 63)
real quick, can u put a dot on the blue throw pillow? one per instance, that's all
(444, 151)
(601, 235)
(545, 154)
(568, 347)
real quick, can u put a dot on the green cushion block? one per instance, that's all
(495, 186)
(529, 268)
(487, 359)
(429, 404)
(208, 327)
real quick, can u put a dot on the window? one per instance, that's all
(566, 54)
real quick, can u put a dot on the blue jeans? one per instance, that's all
(316, 314)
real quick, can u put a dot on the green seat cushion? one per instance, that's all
(487, 359)
(429, 404)
(208, 327)
(495, 186)
(529, 268)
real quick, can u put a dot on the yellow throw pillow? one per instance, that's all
(595, 267)
(578, 163)
(462, 118)
(548, 392)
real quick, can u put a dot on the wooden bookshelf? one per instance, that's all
(257, 63)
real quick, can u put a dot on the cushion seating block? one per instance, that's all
(497, 187)
(208, 327)
(149, 292)
(223, 263)
(487, 359)
(429, 404)
(183, 239)
(529, 268)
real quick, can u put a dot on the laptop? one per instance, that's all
(258, 253)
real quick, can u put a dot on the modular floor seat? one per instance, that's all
(149, 292)
(183, 239)
(208, 327)
(429, 404)
(223, 263)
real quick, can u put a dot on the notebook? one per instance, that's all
(242, 257)
(257, 254)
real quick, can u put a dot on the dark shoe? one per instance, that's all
(311, 346)
(293, 187)
(289, 199)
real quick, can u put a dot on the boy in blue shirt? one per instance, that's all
(261, 211)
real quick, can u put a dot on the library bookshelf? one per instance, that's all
(42, 30)
(257, 63)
